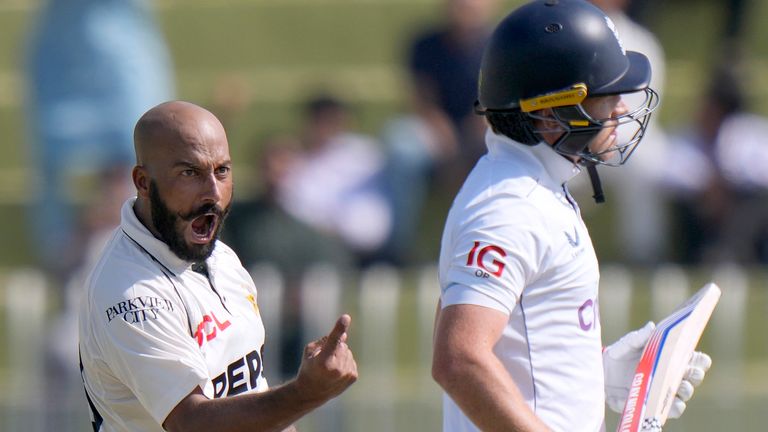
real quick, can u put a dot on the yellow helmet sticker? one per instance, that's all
(570, 96)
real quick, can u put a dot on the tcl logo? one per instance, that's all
(209, 328)
(477, 256)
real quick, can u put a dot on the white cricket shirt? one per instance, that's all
(514, 241)
(152, 329)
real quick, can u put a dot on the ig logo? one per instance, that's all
(477, 256)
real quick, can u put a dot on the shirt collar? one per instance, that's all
(559, 169)
(136, 230)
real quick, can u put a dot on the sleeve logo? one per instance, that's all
(487, 258)
(139, 309)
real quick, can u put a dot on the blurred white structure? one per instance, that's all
(391, 336)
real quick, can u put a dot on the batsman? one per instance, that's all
(518, 343)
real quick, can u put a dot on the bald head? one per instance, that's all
(172, 126)
(183, 177)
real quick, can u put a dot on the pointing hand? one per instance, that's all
(328, 367)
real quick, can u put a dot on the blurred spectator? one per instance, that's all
(336, 186)
(640, 219)
(440, 140)
(719, 178)
(260, 231)
(444, 63)
(94, 66)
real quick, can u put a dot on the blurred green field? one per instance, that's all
(276, 51)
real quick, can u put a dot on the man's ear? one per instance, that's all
(141, 180)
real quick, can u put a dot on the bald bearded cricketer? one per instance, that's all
(170, 333)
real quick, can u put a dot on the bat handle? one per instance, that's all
(651, 424)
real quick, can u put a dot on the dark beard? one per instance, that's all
(166, 223)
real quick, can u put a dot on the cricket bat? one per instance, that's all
(664, 362)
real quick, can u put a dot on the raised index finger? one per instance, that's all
(338, 334)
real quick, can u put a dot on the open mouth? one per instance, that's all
(203, 228)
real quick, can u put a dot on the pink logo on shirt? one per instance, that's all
(477, 257)
(209, 328)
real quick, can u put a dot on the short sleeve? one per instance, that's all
(144, 335)
(496, 251)
(457, 294)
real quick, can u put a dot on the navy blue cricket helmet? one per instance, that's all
(554, 54)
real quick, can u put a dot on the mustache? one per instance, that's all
(204, 209)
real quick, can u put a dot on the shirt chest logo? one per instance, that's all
(574, 240)
(241, 376)
(209, 327)
(589, 315)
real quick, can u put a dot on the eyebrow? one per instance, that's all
(185, 164)
(188, 164)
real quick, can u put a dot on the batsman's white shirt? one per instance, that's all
(152, 329)
(514, 241)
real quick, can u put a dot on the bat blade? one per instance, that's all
(664, 362)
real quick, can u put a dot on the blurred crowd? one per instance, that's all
(329, 192)
(361, 197)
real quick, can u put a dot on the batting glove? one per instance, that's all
(697, 368)
(620, 361)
